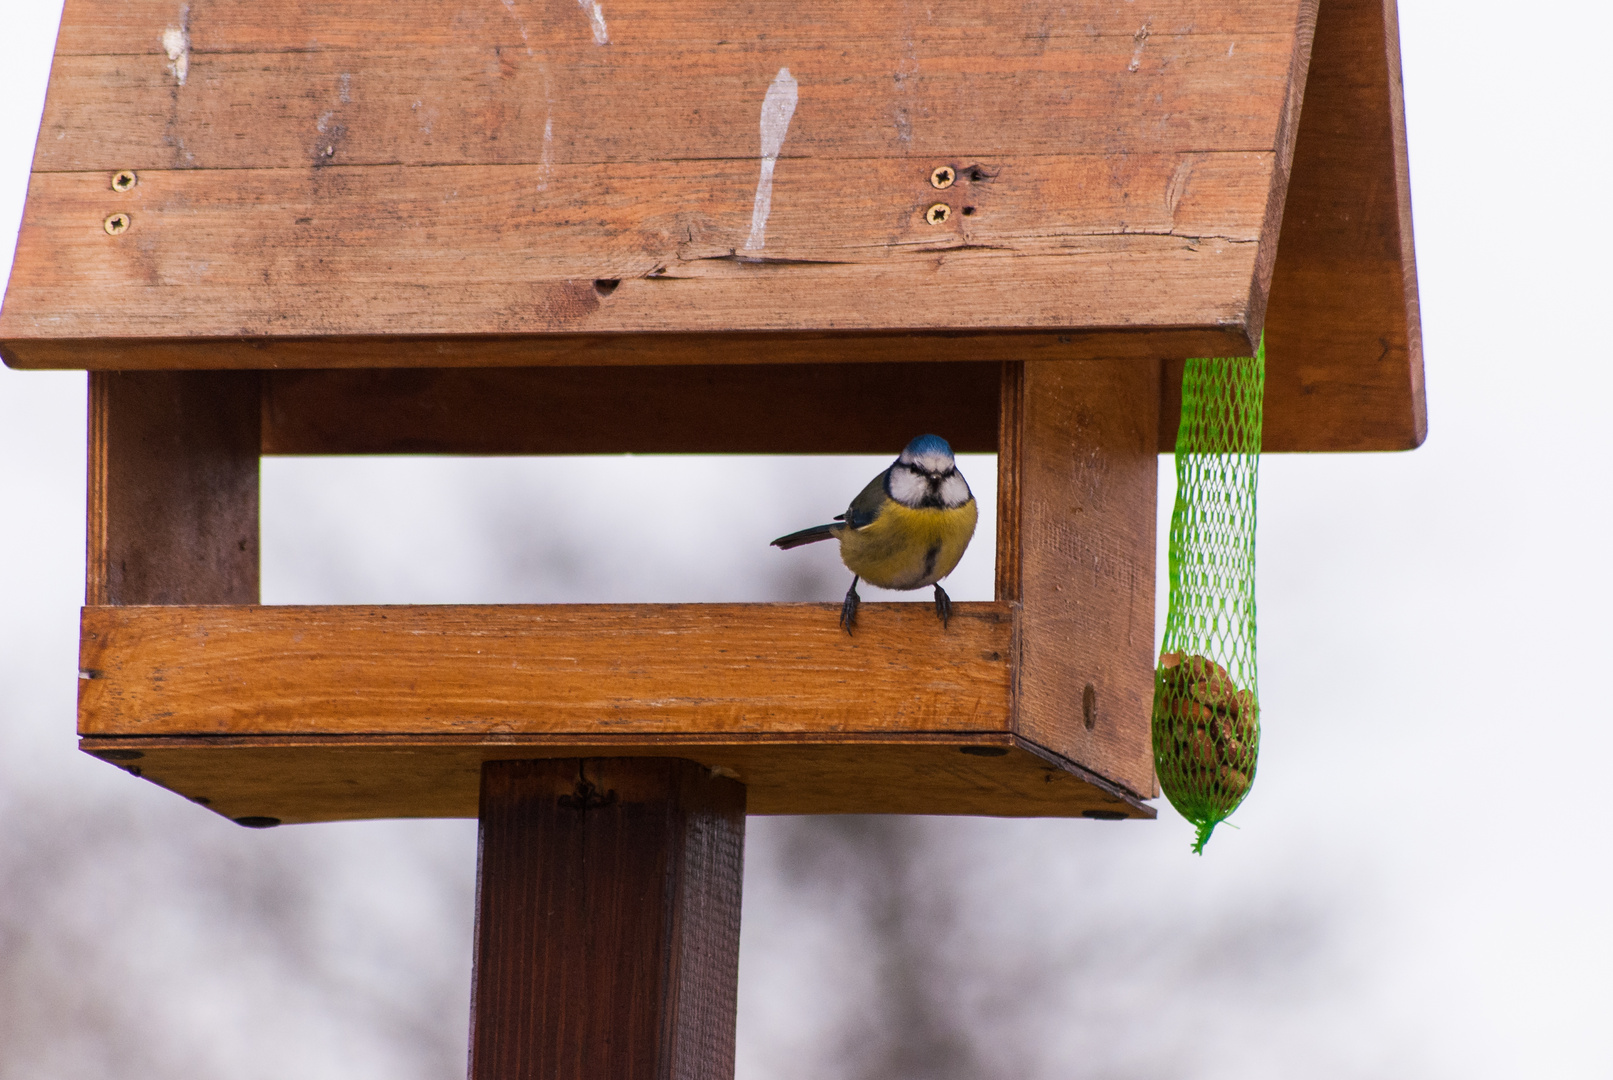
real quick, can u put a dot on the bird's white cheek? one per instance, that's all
(907, 488)
(954, 491)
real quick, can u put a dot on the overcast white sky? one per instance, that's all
(1419, 884)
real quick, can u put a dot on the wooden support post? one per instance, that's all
(1077, 479)
(173, 487)
(607, 928)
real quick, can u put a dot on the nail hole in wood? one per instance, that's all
(606, 286)
(968, 211)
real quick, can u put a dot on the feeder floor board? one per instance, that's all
(306, 714)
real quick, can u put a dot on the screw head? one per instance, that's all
(943, 176)
(938, 214)
(116, 224)
(124, 179)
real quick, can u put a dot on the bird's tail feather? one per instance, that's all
(805, 536)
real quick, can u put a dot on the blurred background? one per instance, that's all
(1418, 886)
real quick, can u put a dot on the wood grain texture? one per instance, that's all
(323, 172)
(760, 409)
(486, 103)
(1084, 475)
(625, 350)
(607, 923)
(1344, 347)
(1010, 448)
(247, 254)
(1344, 364)
(90, 29)
(173, 488)
(1299, 59)
(581, 670)
(341, 778)
(1343, 331)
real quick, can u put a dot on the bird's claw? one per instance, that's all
(848, 609)
(943, 606)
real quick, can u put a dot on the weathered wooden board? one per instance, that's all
(360, 712)
(625, 350)
(473, 249)
(574, 669)
(1082, 473)
(340, 778)
(734, 409)
(410, 170)
(1348, 262)
(806, 408)
(173, 487)
(1344, 354)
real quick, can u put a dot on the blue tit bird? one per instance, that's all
(907, 529)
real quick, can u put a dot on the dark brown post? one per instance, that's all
(607, 924)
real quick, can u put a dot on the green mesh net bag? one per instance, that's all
(1206, 701)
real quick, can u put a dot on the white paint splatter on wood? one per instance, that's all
(546, 163)
(520, 24)
(596, 18)
(777, 109)
(176, 43)
(1140, 38)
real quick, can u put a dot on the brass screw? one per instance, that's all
(124, 179)
(942, 177)
(116, 224)
(935, 215)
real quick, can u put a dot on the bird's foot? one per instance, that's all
(848, 610)
(943, 606)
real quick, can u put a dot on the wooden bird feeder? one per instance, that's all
(546, 227)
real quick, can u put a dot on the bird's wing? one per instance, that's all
(867, 505)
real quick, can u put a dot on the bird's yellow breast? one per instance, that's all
(904, 548)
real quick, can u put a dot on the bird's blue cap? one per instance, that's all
(926, 445)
